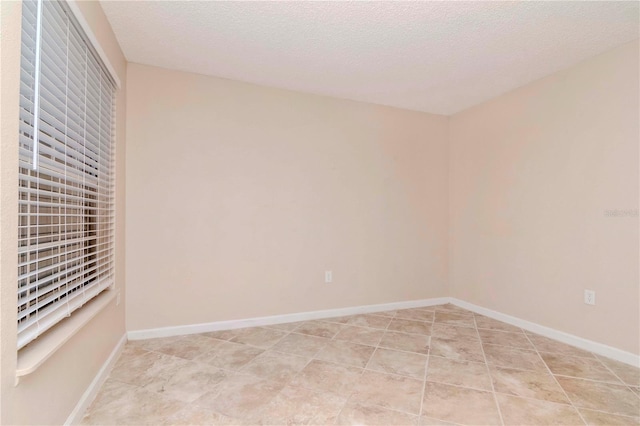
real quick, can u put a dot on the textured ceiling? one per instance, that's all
(438, 57)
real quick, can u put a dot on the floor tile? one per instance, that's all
(158, 344)
(133, 369)
(529, 384)
(131, 350)
(362, 335)
(301, 406)
(448, 331)
(285, 326)
(358, 414)
(193, 415)
(544, 344)
(318, 329)
(416, 314)
(329, 377)
(224, 334)
(459, 405)
(111, 391)
(391, 313)
(451, 308)
(230, 356)
(388, 391)
(260, 337)
(531, 412)
(189, 382)
(628, 374)
(457, 349)
(583, 368)
(338, 320)
(192, 346)
(300, 344)
(521, 359)
(396, 362)
(405, 342)
(275, 366)
(139, 407)
(459, 373)
(453, 318)
(492, 324)
(410, 326)
(147, 368)
(599, 418)
(503, 338)
(240, 396)
(371, 321)
(347, 353)
(601, 396)
(430, 421)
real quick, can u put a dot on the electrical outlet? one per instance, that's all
(118, 298)
(328, 276)
(590, 297)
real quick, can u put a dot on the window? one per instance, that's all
(66, 170)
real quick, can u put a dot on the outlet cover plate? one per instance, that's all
(590, 297)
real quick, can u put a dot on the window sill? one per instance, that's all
(37, 352)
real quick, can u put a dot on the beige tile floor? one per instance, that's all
(425, 366)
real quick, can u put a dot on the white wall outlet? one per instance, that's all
(328, 276)
(590, 297)
(118, 298)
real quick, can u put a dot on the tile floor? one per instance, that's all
(425, 366)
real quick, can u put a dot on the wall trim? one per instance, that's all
(87, 397)
(570, 339)
(561, 336)
(280, 319)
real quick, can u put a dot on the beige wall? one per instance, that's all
(49, 395)
(532, 175)
(239, 197)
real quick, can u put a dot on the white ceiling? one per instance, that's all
(438, 57)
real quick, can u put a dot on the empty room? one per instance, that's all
(319, 213)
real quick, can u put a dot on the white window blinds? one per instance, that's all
(66, 170)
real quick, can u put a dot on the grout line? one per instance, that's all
(383, 407)
(424, 382)
(346, 402)
(486, 365)
(459, 361)
(463, 387)
(610, 413)
(613, 372)
(583, 353)
(557, 382)
(365, 369)
(604, 382)
(369, 361)
(401, 350)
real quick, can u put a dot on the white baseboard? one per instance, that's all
(570, 339)
(85, 400)
(280, 319)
